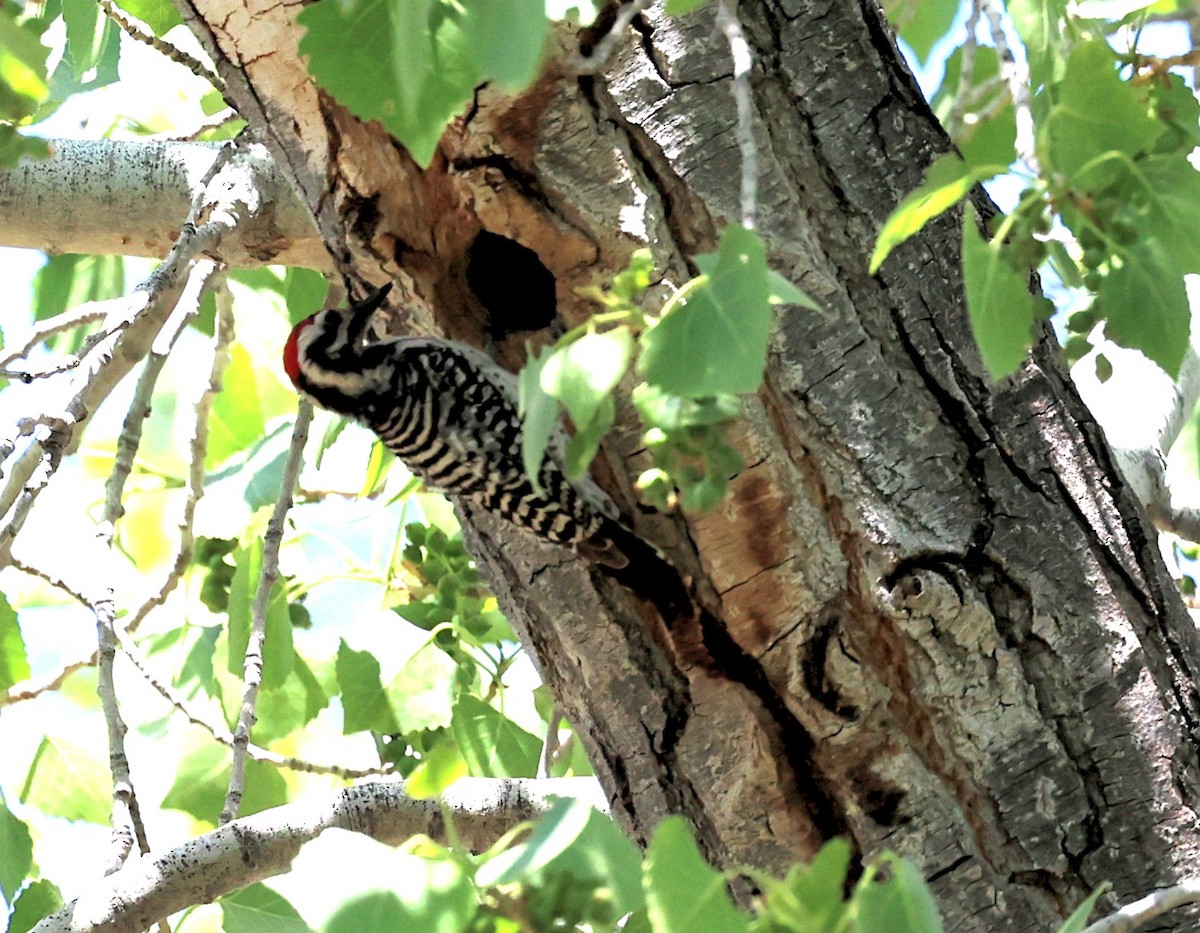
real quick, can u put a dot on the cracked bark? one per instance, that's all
(937, 621)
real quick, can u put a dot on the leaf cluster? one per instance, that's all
(704, 347)
(1108, 192)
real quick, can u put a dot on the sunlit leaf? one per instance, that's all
(715, 339)
(492, 744)
(259, 909)
(364, 702)
(1147, 306)
(17, 846)
(684, 894)
(946, 183)
(998, 302)
(36, 901)
(14, 666)
(903, 904)
(68, 781)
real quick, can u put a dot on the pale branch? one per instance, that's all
(551, 744)
(739, 49)
(138, 30)
(269, 573)
(1015, 71)
(139, 409)
(194, 484)
(966, 73)
(1142, 412)
(53, 204)
(232, 197)
(221, 733)
(215, 122)
(126, 815)
(1183, 521)
(260, 846)
(24, 344)
(127, 822)
(1133, 915)
(604, 50)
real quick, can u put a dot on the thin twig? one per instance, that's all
(252, 667)
(739, 48)
(130, 329)
(221, 733)
(127, 823)
(966, 74)
(604, 50)
(142, 33)
(87, 313)
(215, 122)
(551, 745)
(1016, 73)
(1153, 905)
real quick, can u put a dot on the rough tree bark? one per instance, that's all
(944, 626)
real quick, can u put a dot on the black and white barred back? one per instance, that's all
(450, 414)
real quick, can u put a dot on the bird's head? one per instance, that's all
(322, 353)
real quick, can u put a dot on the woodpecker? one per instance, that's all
(449, 412)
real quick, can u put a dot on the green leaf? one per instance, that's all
(406, 65)
(1146, 305)
(998, 302)
(159, 15)
(684, 894)
(947, 182)
(713, 338)
(1095, 113)
(277, 644)
(22, 64)
(573, 838)
(259, 909)
(492, 744)
(583, 374)
(539, 412)
(423, 691)
(811, 897)
(440, 768)
(1172, 186)
(65, 780)
(236, 421)
(672, 413)
(921, 23)
(378, 465)
(782, 291)
(201, 781)
(991, 140)
(87, 32)
(1078, 921)
(1039, 23)
(14, 665)
(68, 280)
(679, 7)
(14, 147)
(364, 703)
(901, 905)
(17, 846)
(36, 901)
(265, 788)
(285, 709)
(415, 65)
(582, 448)
(507, 38)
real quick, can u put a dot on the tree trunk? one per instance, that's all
(939, 623)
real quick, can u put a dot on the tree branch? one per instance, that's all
(256, 847)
